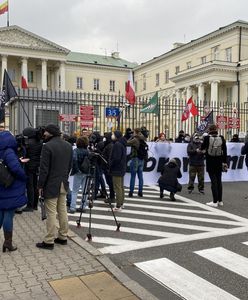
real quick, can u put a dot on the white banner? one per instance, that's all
(159, 153)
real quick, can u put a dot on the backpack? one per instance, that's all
(84, 167)
(215, 146)
(6, 179)
(142, 152)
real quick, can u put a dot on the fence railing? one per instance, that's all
(38, 108)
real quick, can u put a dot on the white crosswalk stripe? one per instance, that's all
(181, 281)
(160, 222)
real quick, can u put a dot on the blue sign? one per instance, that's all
(112, 112)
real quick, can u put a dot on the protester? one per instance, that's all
(181, 137)
(196, 164)
(117, 168)
(161, 138)
(235, 139)
(79, 178)
(13, 196)
(55, 166)
(216, 162)
(137, 161)
(168, 179)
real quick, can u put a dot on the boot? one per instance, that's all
(8, 241)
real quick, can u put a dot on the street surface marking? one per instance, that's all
(181, 281)
(226, 259)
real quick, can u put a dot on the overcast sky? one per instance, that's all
(139, 29)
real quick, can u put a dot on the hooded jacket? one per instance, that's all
(118, 157)
(13, 196)
(168, 179)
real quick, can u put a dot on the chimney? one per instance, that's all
(115, 54)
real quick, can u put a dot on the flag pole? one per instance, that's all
(8, 14)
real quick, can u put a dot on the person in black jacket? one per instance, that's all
(215, 165)
(168, 180)
(117, 167)
(196, 164)
(55, 166)
(33, 146)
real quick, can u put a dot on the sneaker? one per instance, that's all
(71, 211)
(60, 241)
(202, 192)
(220, 203)
(212, 204)
(140, 194)
(130, 194)
(117, 209)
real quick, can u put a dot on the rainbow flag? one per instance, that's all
(3, 7)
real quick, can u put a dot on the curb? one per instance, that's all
(130, 284)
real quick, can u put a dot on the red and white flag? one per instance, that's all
(189, 110)
(130, 94)
(24, 83)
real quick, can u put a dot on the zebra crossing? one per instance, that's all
(190, 286)
(150, 222)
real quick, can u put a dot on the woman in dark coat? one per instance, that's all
(13, 196)
(168, 180)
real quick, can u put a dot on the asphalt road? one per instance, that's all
(181, 250)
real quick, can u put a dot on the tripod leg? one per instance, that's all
(90, 196)
(84, 196)
(118, 225)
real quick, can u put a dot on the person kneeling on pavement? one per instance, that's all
(168, 179)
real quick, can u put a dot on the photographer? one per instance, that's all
(33, 146)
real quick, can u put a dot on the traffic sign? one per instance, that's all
(67, 118)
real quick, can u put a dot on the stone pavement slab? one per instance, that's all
(32, 273)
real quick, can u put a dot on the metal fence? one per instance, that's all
(38, 108)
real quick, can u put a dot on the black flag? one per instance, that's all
(205, 122)
(8, 92)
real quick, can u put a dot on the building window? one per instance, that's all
(144, 82)
(166, 76)
(157, 79)
(215, 53)
(46, 116)
(188, 64)
(112, 85)
(229, 95)
(136, 86)
(229, 54)
(203, 59)
(96, 84)
(30, 76)
(59, 81)
(79, 83)
(12, 74)
(177, 69)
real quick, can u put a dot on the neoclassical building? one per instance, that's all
(48, 66)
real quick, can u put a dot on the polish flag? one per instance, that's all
(130, 95)
(24, 83)
(189, 110)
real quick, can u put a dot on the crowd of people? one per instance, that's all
(43, 159)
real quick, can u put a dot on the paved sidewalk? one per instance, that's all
(67, 272)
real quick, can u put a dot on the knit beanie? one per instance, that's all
(53, 129)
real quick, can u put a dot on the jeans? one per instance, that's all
(136, 167)
(216, 185)
(6, 219)
(78, 181)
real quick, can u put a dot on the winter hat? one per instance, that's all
(118, 134)
(53, 129)
(173, 160)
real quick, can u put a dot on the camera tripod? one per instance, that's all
(89, 193)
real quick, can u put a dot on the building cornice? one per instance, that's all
(97, 66)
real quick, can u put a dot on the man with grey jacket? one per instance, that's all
(55, 166)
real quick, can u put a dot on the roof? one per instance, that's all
(87, 58)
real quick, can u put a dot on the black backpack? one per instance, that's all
(84, 167)
(142, 152)
(6, 179)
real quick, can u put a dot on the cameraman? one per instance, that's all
(33, 146)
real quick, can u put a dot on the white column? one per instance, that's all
(4, 65)
(178, 94)
(62, 76)
(25, 68)
(214, 91)
(188, 93)
(44, 74)
(235, 93)
(201, 93)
